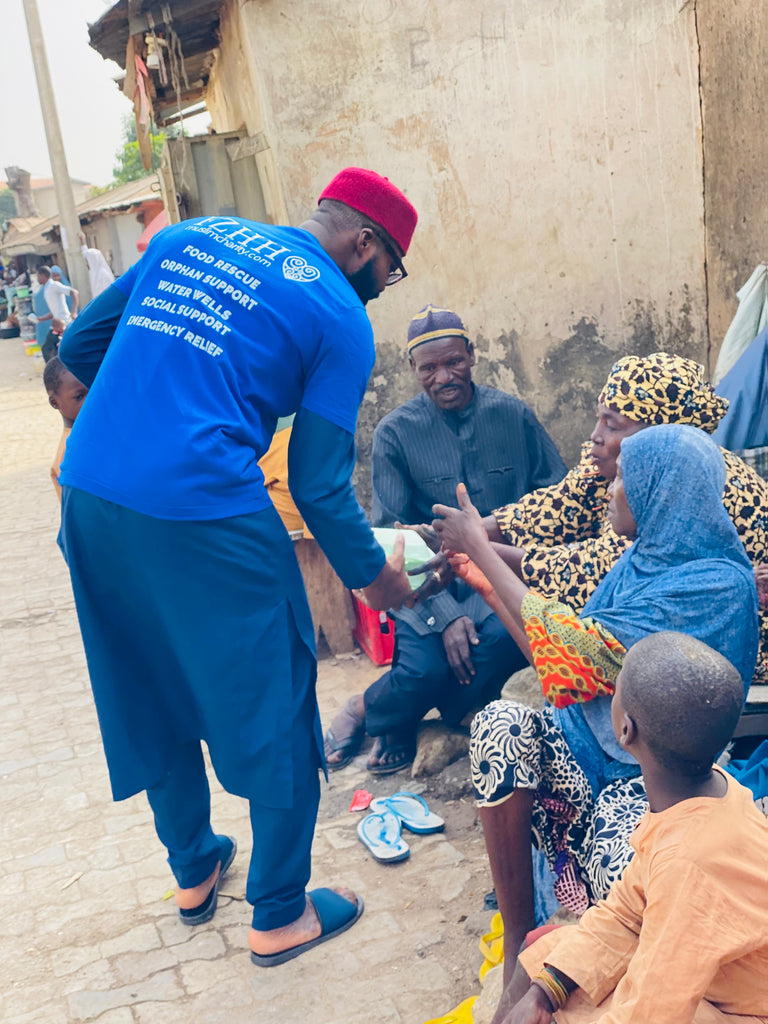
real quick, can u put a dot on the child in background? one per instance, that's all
(682, 937)
(274, 466)
(66, 394)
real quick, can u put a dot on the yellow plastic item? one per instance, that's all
(492, 946)
(461, 1015)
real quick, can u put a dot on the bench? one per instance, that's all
(329, 600)
(754, 717)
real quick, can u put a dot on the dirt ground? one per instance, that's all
(88, 931)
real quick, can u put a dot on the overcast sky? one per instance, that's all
(89, 104)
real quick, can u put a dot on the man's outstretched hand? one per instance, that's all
(390, 589)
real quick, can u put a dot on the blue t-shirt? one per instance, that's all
(228, 326)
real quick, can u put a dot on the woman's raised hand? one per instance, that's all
(465, 569)
(460, 529)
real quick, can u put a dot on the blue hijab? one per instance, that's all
(686, 571)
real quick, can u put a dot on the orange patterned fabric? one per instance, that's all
(576, 659)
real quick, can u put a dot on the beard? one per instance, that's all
(364, 282)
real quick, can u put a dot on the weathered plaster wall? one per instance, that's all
(734, 88)
(552, 149)
(237, 98)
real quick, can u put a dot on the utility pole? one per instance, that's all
(69, 223)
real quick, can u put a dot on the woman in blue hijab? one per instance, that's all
(558, 774)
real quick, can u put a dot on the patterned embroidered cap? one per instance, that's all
(433, 322)
(663, 388)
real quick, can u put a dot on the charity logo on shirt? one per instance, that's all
(296, 268)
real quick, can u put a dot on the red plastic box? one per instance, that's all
(375, 632)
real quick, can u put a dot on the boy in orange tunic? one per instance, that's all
(682, 937)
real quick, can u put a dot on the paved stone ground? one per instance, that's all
(86, 931)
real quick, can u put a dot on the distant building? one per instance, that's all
(113, 222)
(36, 197)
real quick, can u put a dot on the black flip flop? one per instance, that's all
(336, 915)
(348, 747)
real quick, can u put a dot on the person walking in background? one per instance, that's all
(41, 315)
(56, 293)
(99, 271)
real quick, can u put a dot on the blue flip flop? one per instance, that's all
(205, 911)
(336, 915)
(412, 811)
(381, 833)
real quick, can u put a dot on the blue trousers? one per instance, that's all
(280, 863)
(201, 631)
(282, 839)
(421, 678)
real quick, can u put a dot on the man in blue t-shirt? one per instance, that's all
(191, 604)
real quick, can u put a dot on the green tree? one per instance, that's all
(128, 165)
(7, 204)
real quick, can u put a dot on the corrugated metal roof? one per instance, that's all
(28, 234)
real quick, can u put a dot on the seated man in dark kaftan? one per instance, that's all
(451, 652)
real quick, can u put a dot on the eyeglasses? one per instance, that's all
(399, 272)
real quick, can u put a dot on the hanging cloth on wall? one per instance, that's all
(137, 88)
(751, 317)
(745, 425)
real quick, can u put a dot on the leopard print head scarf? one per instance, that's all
(663, 388)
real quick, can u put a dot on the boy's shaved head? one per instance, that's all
(684, 697)
(54, 373)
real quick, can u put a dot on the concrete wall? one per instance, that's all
(552, 148)
(734, 87)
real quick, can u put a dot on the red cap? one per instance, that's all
(376, 197)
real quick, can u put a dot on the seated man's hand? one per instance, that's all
(425, 531)
(458, 640)
(439, 575)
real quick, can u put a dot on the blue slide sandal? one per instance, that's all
(381, 833)
(206, 910)
(412, 811)
(336, 915)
